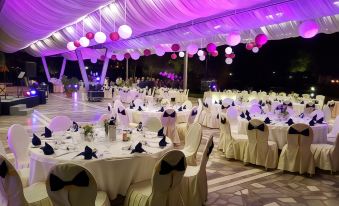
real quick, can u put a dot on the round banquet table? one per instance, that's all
(141, 116)
(115, 169)
(278, 131)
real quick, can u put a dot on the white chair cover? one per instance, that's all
(232, 116)
(296, 155)
(153, 124)
(60, 123)
(318, 112)
(327, 113)
(71, 194)
(18, 142)
(188, 104)
(260, 151)
(164, 187)
(199, 110)
(123, 118)
(194, 184)
(169, 125)
(182, 128)
(12, 192)
(208, 116)
(335, 130)
(192, 143)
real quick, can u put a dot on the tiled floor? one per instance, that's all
(229, 182)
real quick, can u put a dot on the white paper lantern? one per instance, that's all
(125, 31)
(202, 58)
(94, 60)
(200, 53)
(181, 54)
(70, 46)
(229, 60)
(192, 49)
(120, 57)
(84, 42)
(159, 51)
(233, 38)
(228, 50)
(100, 37)
(135, 55)
(255, 49)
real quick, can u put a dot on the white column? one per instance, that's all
(44, 63)
(185, 71)
(82, 68)
(62, 68)
(104, 67)
(126, 69)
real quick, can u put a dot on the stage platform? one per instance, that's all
(5, 104)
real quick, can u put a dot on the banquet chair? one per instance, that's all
(116, 104)
(153, 124)
(232, 117)
(9, 156)
(71, 184)
(164, 188)
(194, 184)
(184, 126)
(321, 99)
(168, 121)
(296, 155)
(309, 108)
(18, 142)
(208, 116)
(13, 193)
(334, 131)
(260, 151)
(199, 110)
(60, 123)
(327, 114)
(233, 145)
(192, 143)
(255, 109)
(326, 156)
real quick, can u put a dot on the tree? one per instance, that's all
(301, 63)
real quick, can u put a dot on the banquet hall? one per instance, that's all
(169, 102)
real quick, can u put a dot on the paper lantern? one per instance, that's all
(127, 55)
(190, 55)
(202, 58)
(89, 35)
(70, 46)
(84, 42)
(181, 54)
(211, 47)
(308, 29)
(100, 37)
(114, 57)
(192, 49)
(229, 61)
(261, 39)
(233, 38)
(94, 60)
(147, 52)
(76, 43)
(249, 46)
(232, 56)
(135, 55)
(125, 31)
(215, 53)
(228, 50)
(159, 51)
(175, 47)
(120, 57)
(200, 53)
(173, 56)
(255, 49)
(114, 36)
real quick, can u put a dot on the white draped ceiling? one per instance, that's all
(43, 28)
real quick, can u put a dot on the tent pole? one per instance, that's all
(82, 68)
(185, 71)
(62, 68)
(44, 63)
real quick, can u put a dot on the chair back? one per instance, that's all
(327, 113)
(168, 118)
(18, 142)
(60, 123)
(257, 132)
(70, 184)
(193, 116)
(225, 128)
(122, 116)
(11, 190)
(335, 128)
(335, 154)
(193, 138)
(299, 140)
(207, 104)
(200, 107)
(166, 179)
(255, 109)
(153, 124)
(138, 103)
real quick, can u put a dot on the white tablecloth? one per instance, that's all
(114, 170)
(278, 132)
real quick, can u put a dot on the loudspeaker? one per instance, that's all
(30, 69)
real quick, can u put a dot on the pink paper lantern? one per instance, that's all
(192, 49)
(76, 43)
(249, 46)
(261, 39)
(127, 55)
(190, 55)
(211, 47)
(114, 36)
(233, 38)
(173, 56)
(175, 47)
(114, 57)
(215, 53)
(147, 52)
(308, 29)
(89, 35)
(232, 56)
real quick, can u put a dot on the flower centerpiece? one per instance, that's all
(88, 132)
(119, 82)
(281, 111)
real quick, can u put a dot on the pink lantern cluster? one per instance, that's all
(171, 76)
(259, 41)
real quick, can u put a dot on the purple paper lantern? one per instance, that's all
(233, 38)
(175, 47)
(89, 35)
(308, 29)
(114, 57)
(261, 39)
(114, 36)
(211, 47)
(147, 52)
(76, 43)
(127, 55)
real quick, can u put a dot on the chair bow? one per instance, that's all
(3, 169)
(122, 112)
(331, 105)
(48, 132)
(290, 122)
(162, 109)
(267, 120)
(310, 105)
(205, 105)
(180, 109)
(194, 112)
(169, 115)
(268, 102)
(223, 120)
(210, 149)
(166, 168)
(140, 109)
(75, 126)
(260, 127)
(47, 149)
(288, 104)
(223, 107)
(242, 115)
(305, 132)
(320, 121)
(80, 180)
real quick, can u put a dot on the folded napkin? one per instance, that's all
(88, 153)
(162, 109)
(138, 148)
(233, 104)
(109, 108)
(140, 109)
(75, 126)
(247, 113)
(314, 118)
(290, 122)
(161, 132)
(48, 132)
(184, 107)
(220, 101)
(267, 120)
(36, 140)
(248, 117)
(163, 142)
(180, 109)
(242, 115)
(320, 121)
(47, 149)
(302, 102)
(302, 115)
(215, 102)
(312, 123)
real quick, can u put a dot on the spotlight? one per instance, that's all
(33, 92)
(98, 78)
(312, 94)
(28, 93)
(312, 89)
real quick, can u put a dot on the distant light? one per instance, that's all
(273, 72)
(98, 78)
(290, 77)
(312, 94)
(337, 81)
(336, 3)
(332, 81)
(76, 86)
(217, 26)
(181, 54)
(231, 74)
(255, 49)
(86, 67)
(33, 92)
(312, 89)
(28, 93)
